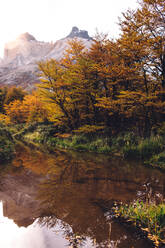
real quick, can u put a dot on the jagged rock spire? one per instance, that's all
(75, 32)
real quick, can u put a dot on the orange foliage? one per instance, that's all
(29, 110)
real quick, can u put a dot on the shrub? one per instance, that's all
(6, 146)
(148, 216)
(150, 146)
(79, 139)
(128, 140)
(157, 160)
(145, 149)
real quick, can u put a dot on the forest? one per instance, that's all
(116, 85)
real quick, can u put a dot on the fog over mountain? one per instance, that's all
(18, 67)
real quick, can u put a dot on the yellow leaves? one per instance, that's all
(29, 110)
(76, 47)
(4, 118)
(112, 82)
(16, 112)
(145, 229)
(155, 239)
(89, 129)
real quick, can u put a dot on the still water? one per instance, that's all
(65, 199)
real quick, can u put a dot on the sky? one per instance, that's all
(50, 20)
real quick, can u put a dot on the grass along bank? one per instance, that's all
(147, 216)
(150, 150)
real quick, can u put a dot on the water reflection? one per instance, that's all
(85, 211)
(67, 198)
(31, 237)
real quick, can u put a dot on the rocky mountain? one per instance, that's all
(19, 67)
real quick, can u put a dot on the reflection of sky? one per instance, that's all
(33, 236)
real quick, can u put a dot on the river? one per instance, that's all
(65, 199)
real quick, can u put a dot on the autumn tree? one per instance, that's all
(152, 19)
(30, 109)
(142, 40)
(147, 24)
(13, 94)
(70, 84)
(53, 89)
(16, 113)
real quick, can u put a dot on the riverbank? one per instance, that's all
(150, 151)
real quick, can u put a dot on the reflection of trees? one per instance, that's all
(72, 202)
(77, 204)
(79, 188)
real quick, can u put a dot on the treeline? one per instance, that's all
(116, 85)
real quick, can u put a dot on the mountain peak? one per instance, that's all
(26, 36)
(75, 32)
(20, 56)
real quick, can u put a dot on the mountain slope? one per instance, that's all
(20, 57)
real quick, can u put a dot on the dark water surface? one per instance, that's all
(65, 200)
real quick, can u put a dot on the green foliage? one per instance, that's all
(127, 139)
(6, 146)
(100, 145)
(78, 139)
(144, 149)
(81, 143)
(148, 216)
(157, 161)
(37, 132)
(150, 146)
